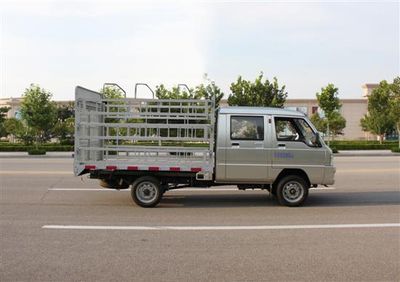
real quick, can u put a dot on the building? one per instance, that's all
(368, 87)
(352, 110)
(15, 103)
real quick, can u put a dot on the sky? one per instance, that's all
(306, 45)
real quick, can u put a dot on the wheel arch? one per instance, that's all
(291, 171)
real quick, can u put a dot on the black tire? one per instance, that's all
(292, 191)
(113, 184)
(272, 190)
(147, 191)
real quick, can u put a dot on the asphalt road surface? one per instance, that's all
(57, 227)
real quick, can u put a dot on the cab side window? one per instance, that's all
(247, 128)
(286, 129)
(295, 129)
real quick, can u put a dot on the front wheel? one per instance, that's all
(146, 191)
(292, 191)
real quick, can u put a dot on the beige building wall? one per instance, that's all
(368, 87)
(13, 104)
(353, 110)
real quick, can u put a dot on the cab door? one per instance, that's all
(245, 152)
(294, 148)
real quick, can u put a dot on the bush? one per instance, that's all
(396, 150)
(334, 150)
(36, 152)
(46, 147)
(363, 146)
(67, 142)
(361, 142)
(59, 148)
(14, 148)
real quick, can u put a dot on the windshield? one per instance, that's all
(308, 133)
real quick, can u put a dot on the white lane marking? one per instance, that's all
(35, 172)
(84, 189)
(173, 190)
(323, 188)
(204, 228)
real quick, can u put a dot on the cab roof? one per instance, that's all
(259, 111)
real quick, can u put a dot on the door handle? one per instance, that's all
(281, 145)
(235, 144)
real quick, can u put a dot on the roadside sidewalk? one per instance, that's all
(366, 153)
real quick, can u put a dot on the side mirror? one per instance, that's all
(315, 140)
(318, 139)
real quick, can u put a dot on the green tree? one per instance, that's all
(206, 91)
(379, 118)
(39, 112)
(258, 93)
(175, 93)
(113, 92)
(337, 124)
(329, 102)
(199, 92)
(19, 130)
(395, 104)
(319, 122)
(64, 127)
(3, 115)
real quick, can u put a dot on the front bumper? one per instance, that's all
(329, 175)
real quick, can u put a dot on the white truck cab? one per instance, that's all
(154, 145)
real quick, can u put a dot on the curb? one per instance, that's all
(367, 153)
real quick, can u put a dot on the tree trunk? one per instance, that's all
(328, 132)
(398, 132)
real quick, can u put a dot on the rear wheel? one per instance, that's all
(292, 191)
(147, 191)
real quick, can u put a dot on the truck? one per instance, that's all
(155, 145)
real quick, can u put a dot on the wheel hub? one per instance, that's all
(293, 191)
(146, 192)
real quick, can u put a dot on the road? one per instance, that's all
(218, 235)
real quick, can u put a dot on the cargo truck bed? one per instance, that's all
(143, 134)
